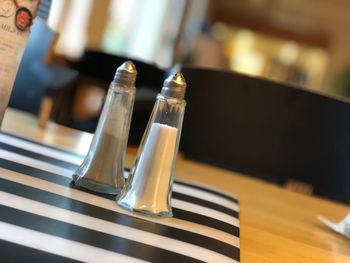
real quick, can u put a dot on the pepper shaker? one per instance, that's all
(102, 168)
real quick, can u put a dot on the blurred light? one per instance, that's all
(73, 33)
(249, 63)
(137, 29)
(55, 14)
(289, 53)
(244, 58)
(244, 40)
(118, 22)
(220, 31)
(315, 61)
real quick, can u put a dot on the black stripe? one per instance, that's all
(91, 237)
(11, 253)
(38, 156)
(74, 167)
(207, 221)
(42, 144)
(111, 216)
(205, 203)
(226, 196)
(34, 172)
(177, 213)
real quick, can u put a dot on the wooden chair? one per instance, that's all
(268, 130)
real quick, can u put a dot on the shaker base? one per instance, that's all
(162, 214)
(94, 186)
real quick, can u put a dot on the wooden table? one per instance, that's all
(276, 225)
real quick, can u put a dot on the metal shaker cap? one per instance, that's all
(174, 86)
(126, 74)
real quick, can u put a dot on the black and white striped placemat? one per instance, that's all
(44, 219)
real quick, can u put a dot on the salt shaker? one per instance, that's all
(149, 186)
(102, 168)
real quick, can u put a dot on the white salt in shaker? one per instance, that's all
(149, 186)
(102, 169)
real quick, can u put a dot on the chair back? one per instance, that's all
(97, 68)
(268, 130)
(102, 66)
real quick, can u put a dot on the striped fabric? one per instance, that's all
(43, 218)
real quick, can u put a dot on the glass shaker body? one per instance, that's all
(102, 169)
(148, 188)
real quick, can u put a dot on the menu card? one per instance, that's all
(16, 17)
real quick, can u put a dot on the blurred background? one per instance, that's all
(302, 42)
(268, 79)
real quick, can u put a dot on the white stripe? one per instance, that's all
(107, 204)
(59, 246)
(187, 190)
(33, 147)
(67, 173)
(208, 212)
(76, 160)
(21, 159)
(110, 228)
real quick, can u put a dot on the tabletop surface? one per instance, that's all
(276, 225)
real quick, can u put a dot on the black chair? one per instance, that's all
(98, 69)
(35, 79)
(268, 130)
